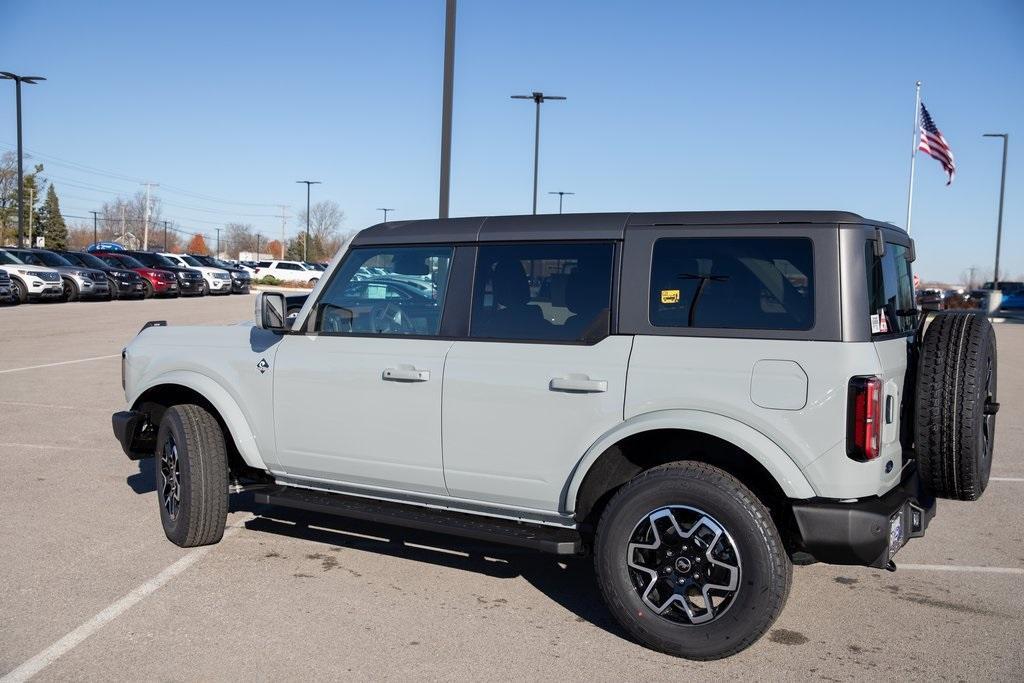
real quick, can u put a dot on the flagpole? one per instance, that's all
(913, 152)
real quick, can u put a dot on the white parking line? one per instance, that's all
(63, 362)
(1006, 479)
(58, 649)
(44, 447)
(969, 569)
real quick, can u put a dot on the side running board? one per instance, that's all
(547, 539)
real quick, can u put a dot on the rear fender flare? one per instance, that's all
(782, 468)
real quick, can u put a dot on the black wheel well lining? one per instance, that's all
(636, 453)
(155, 401)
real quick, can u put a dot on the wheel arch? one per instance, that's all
(655, 438)
(189, 387)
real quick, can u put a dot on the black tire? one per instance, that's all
(112, 291)
(955, 405)
(148, 291)
(20, 290)
(205, 289)
(70, 290)
(763, 572)
(192, 437)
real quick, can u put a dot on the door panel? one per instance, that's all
(361, 410)
(517, 417)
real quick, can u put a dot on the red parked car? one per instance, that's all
(157, 282)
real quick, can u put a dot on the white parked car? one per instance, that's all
(31, 283)
(216, 280)
(289, 271)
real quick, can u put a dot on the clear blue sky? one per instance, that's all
(672, 106)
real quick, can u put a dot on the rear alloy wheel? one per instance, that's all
(70, 290)
(690, 562)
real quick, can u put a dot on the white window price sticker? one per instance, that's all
(876, 326)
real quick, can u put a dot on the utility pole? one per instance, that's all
(257, 247)
(385, 213)
(1002, 192)
(217, 255)
(284, 221)
(18, 80)
(31, 204)
(305, 242)
(95, 219)
(560, 195)
(538, 98)
(447, 90)
(122, 222)
(165, 235)
(145, 217)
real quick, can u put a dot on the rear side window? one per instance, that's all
(542, 292)
(890, 290)
(751, 283)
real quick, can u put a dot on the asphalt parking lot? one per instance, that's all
(90, 588)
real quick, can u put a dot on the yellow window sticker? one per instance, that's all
(670, 296)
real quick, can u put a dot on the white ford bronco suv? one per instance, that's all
(698, 400)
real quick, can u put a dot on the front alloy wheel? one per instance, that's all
(170, 478)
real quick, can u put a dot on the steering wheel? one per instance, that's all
(387, 318)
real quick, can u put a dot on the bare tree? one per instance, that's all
(325, 219)
(239, 237)
(123, 220)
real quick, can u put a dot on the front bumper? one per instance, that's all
(135, 434)
(127, 288)
(190, 287)
(88, 289)
(239, 286)
(858, 533)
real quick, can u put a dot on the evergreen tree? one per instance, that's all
(51, 222)
(294, 250)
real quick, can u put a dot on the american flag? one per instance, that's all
(934, 145)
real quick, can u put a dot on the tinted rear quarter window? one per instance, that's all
(754, 283)
(890, 284)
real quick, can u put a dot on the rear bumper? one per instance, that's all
(858, 533)
(135, 434)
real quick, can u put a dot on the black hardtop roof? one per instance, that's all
(585, 226)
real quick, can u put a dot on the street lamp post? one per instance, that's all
(305, 242)
(560, 195)
(538, 98)
(18, 80)
(386, 211)
(1002, 191)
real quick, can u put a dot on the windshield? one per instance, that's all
(10, 259)
(87, 260)
(154, 260)
(190, 260)
(44, 258)
(123, 261)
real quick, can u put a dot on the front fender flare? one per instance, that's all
(785, 472)
(219, 398)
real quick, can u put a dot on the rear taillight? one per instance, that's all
(864, 418)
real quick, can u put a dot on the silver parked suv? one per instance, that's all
(696, 399)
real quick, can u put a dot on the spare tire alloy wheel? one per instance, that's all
(956, 405)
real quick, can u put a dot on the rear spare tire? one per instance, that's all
(954, 421)
(192, 476)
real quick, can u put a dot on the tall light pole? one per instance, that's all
(386, 211)
(539, 98)
(305, 242)
(18, 80)
(560, 195)
(1002, 191)
(448, 87)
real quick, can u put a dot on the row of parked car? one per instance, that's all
(1011, 297)
(28, 275)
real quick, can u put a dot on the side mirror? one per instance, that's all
(270, 311)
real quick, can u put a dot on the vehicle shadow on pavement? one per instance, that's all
(143, 481)
(569, 581)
